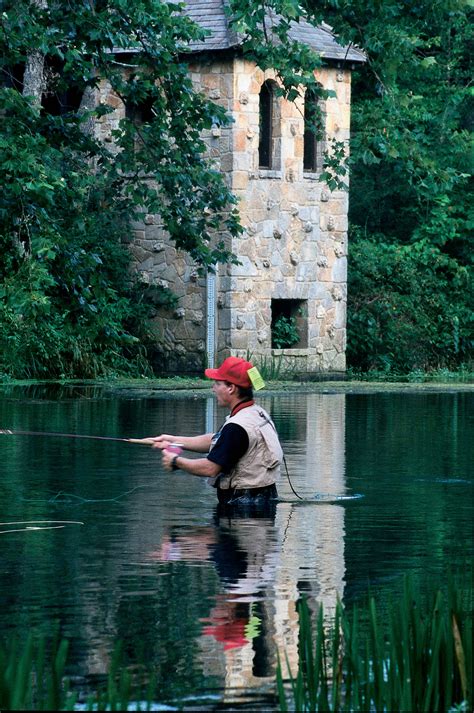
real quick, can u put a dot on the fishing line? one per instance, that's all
(287, 524)
(34, 528)
(289, 480)
(142, 441)
(32, 525)
(57, 498)
(71, 496)
(319, 497)
(39, 522)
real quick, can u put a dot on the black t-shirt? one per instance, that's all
(232, 443)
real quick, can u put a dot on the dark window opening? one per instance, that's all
(265, 126)
(59, 103)
(289, 324)
(313, 133)
(12, 77)
(60, 96)
(141, 113)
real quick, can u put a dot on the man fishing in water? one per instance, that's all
(244, 457)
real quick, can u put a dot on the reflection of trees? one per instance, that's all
(71, 580)
(400, 447)
(163, 632)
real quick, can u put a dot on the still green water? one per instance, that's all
(101, 544)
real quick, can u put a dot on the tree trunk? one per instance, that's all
(88, 102)
(33, 77)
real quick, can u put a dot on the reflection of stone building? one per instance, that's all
(294, 248)
(302, 553)
(252, 571)
(316, 532)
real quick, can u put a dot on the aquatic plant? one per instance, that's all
(32, 677)
(419, 659)
(273, 368)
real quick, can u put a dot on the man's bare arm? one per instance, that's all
(201, 467)
(198, 444)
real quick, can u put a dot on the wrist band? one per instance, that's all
(173, 463)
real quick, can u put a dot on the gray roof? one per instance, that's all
(211, 15)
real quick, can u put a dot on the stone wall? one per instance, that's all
(294, 245)
(295, 242)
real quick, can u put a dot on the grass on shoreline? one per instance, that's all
(276, 379)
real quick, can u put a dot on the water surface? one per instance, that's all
(140, 555)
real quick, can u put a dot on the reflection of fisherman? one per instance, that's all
(246, 557)
(245, 553)
(244, 457)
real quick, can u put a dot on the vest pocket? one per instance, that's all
(272, 454)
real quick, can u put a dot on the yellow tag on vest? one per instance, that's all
(256, 379)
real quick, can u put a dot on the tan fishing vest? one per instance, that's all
(260, 465)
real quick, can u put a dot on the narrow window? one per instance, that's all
(313, 133)
(266, 126)
(289, 324)
(139, 114)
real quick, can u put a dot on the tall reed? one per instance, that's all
(32, 677)
(420, 659)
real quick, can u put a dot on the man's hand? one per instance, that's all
(162, 442)
(167, 459)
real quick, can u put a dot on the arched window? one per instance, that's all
(313, 132)
(266, 126)
(139, 114)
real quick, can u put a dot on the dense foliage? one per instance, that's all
(68, 303)
(285, 333)
(411, 214)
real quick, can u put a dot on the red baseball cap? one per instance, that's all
(231, 633)
(232, 369)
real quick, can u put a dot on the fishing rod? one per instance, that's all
(141, 441)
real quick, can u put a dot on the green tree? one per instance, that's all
(411, 215)
(68, 304)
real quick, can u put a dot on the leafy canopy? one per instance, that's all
(68, 304)
(411, 212)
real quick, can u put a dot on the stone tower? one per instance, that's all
(293, 250)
